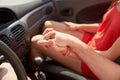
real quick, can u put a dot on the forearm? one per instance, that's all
(103, 68)
(91, 28)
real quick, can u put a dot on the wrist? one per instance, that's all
(73, 41)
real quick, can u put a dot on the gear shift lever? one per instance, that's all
(39, 64)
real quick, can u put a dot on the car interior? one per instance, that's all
(20, 20)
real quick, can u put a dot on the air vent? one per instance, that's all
(18, 31)
(5, 39)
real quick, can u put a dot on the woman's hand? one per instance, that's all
(56, 40)
(72, 26)
(51, 41)
(55, 37)
(61, 39)
(91, 28)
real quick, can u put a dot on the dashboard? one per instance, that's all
(6, 18)
(21, 19)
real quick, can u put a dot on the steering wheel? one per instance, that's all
(10, 55)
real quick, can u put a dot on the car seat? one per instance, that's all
(55, 71)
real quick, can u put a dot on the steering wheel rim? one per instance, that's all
(14, 61)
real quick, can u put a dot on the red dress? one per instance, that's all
(106, 35)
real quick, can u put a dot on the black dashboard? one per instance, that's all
(6, 17)
(21, 19)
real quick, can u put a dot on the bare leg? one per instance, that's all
(71, 61)
(59, 26)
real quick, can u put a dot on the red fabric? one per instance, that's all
(87, 37)
(107, 33)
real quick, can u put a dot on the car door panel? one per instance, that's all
(81, 10)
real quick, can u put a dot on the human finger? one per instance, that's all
(44, 43)
(49, 35)
(47, 30)
(66, 23)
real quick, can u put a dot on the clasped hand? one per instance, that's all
(54, 40)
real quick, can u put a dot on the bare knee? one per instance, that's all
(36, 38)
(34, 46)
(48, 24)
(55, 25)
